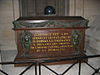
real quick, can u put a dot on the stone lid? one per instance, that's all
(50, 22)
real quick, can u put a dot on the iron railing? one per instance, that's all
(39, 63)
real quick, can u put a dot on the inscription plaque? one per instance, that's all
(52, 43)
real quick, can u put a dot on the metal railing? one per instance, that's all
(39, 63)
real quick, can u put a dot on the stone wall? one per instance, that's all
(8, 12)
(93, 35)
(85, 8)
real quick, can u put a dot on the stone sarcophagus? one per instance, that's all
(49, 37)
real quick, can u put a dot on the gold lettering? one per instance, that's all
(32, 47)
(37, 50)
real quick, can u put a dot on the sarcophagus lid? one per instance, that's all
(50, 22)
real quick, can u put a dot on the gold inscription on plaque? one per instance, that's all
(51, 42)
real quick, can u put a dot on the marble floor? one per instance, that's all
(11, 70)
